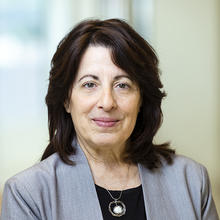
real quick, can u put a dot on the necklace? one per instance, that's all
(117, 208)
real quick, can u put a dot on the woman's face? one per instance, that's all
(104, 102)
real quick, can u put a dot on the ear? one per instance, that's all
(67, 106)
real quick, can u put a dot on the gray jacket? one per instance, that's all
(52, 190)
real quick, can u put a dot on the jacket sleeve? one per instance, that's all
(17, 203)
(209, 211)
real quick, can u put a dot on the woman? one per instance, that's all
(104, 108)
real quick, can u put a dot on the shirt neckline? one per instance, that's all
(134, 189)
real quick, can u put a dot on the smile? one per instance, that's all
(105, 122)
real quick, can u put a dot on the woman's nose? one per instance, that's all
(107, 100)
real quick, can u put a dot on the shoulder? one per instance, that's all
(181, 162)
(41, 172)
(48, 173)
(191, 177)
(37, 189)
(185, 167)
(25, 192)
(183, 183)
(184, 171)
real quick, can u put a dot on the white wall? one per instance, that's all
(187, 39)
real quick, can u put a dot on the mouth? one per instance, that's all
(105, 122)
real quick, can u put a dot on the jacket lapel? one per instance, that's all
(87, 200)
(157, 201)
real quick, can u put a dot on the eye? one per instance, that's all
(89, 85)
(123, 86)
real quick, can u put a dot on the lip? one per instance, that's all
(105, 122)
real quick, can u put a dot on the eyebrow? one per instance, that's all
(97, 78)
(89, 75)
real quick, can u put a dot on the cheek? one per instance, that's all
(131, 106)
(80, 105)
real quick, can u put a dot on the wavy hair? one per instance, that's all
(136, 57)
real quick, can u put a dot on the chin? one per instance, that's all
(108, 140)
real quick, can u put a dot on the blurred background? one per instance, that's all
(185, 35)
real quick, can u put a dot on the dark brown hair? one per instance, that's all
(136, 57)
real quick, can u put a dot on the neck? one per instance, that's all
(108, 156)
(107, 168)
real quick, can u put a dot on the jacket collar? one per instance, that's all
(156, 196)
(155, 199)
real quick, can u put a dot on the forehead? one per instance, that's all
(96, 60)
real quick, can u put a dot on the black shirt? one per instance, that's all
(132, 198)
